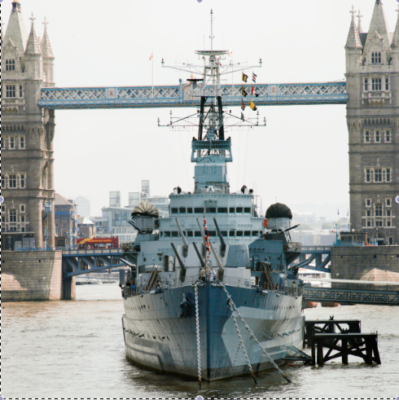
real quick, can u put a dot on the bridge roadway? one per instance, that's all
(183, 95)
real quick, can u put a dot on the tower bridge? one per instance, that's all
(30, 98)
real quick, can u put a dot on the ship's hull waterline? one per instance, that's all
(157, 337)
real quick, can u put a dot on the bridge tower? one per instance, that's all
(28, 132)
(372, 76)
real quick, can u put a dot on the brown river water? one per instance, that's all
(75, 349)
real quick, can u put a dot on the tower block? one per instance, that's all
(27, 140)
(372, 79)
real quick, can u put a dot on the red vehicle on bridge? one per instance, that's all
(98, 243)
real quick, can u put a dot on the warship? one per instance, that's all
(211, 291)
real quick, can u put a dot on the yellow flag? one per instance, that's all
(252, 105)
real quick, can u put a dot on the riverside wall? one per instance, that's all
(34, 276)
(366, 263)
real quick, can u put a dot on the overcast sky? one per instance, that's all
(300, 157)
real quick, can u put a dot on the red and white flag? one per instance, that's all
(151, 57)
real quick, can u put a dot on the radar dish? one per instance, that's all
(145, 209)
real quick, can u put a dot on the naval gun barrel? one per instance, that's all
(222, 242)
(218, 262)
(182, 266)
(183, 238)
(292, 227)
(199, 255)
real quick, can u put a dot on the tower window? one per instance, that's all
(367, 136)
(368, 202)
(378, 210)
(10, 91)
(23, 181)
(21, 142)
(12, 142)
(388, 213)
(13, 216)
(368, 213)
(377, 136)
(386, 84)
(388, 223)
(376, 84)
(388, 202)
(12, 181)
(366, 84)
(10, 65)
(20, 91)
(388, 136)
(378, 175)
(378, 222)
(22, 208)
(2, 143)
(3, 182)
(368, 175)
(388, 175)
(376, 58)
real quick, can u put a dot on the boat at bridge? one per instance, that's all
(210, 294)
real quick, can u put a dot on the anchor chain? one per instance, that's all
(242, 341)
(252, 334)
(197, 324)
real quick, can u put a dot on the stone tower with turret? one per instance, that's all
(372, 77)
(27, 138)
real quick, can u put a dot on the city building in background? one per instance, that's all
(66, 220)
(145, 189)
(134, 199)
(82, 206)
(86, 228)
(115, 199)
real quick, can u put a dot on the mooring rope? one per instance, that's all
(197, 323)
(241, 341)
(231, 303)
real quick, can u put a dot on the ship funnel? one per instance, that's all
(182, 266)
(183, 238)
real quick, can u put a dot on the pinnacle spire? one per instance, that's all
(33, 46)
(353, 40)
(359, 22)
(46, 45)
(379, 23)
(395, 38)
(16, 30)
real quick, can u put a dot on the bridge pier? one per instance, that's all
(68, 288)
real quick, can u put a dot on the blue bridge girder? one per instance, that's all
(79, 262)
(321, 255)
(184, 95)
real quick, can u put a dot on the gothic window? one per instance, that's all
(3, 182)
(378, 210)
(377, 137)
(368, 223)
(368, 175)
(10, 65)
(388, 136)
(368, 213)
(376, 58)
(21, 93)
(21, 142)
(368, 202)
(386, 84)
(366, 84)
(12, 181)
(388, 212)
(376, 84)
(378, 175)
(10, 90)
(22, 208)
(367, 136)
(2, 144)
(388, 175)
(22, 181)
(378, 222)
(13, 216)
(388, 223)
(388, 202)
(12, 142)
(22, 217)
(390, 240)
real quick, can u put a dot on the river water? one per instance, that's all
(75, 349)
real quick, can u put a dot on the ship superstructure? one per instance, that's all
(215, 300)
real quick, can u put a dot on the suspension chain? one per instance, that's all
(197, 323)
(231, 303)
(241, 341)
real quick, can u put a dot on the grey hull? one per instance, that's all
(156, 336)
